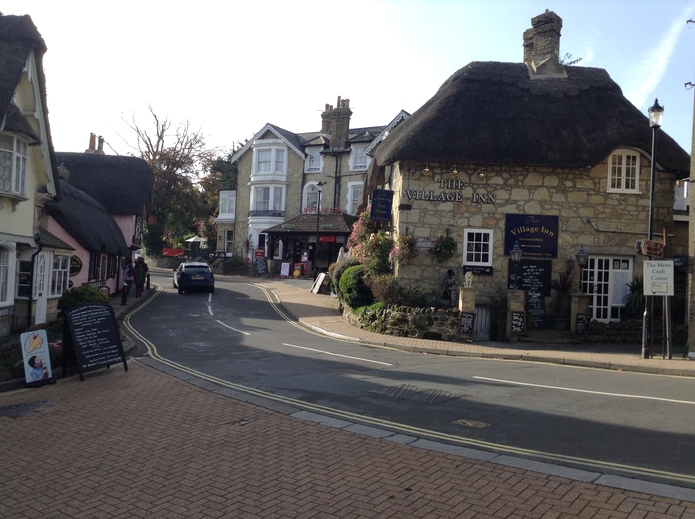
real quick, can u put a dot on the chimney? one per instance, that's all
(542, 46)
(336, 122)
(100, 150)
(92, 144)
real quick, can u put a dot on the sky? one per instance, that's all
(229, 67)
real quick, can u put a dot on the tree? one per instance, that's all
(177, 158)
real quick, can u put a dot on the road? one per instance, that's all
(630, 424)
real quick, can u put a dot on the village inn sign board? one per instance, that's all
(450, 191)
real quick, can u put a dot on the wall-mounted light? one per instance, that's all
(481, 176)
(426, 171)
(455, 171)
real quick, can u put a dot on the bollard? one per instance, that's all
(124, 297)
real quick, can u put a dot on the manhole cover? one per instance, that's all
(471, 423)
(19, 410)
(428, 396)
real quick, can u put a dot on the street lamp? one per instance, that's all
(582, 260)
(516, 254)
(656, 114)
(319, 185)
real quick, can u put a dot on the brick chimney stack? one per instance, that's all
(100, 149)
(336, 123)
(542, 46)
(92, 144)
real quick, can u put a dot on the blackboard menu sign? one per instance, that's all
(518, 322)
(582, 324)
(94, 335)
(467, 322)
(533, 275)
(535, 303)
(261, 266)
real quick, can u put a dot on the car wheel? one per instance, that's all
(212, 289)
(180, 289)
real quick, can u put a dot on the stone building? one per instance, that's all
(283, 177)
(540, 154)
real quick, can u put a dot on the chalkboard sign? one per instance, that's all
(533, 275)
(582, 324)
(467, 322)
(518, 322)
(535, 303)
(285, 270)
(261, 266)
(94, 335)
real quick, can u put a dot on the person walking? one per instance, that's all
(129, 278)
(140, 276)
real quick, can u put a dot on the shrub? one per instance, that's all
(384, 287)
(377, 250)
(340, 267)
(417, 296)
(354, 290)
(81, 295)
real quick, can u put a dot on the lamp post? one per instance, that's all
(582, 259)
(656, 114)
(319, 185)
(516, 254)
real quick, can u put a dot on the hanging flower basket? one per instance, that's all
(443, 248)
(404, 249)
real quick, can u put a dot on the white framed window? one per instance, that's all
(314, 161)
(623, 172)
(268, 198)
(358, 157)
(13, 165)
(5, 275)
(229, 240)
(269, 160)
(311, 197)
(227, 203)
(477, 247)
(23, 279)
(355, 190)
(60, 275)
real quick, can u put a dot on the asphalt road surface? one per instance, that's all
(630, 424)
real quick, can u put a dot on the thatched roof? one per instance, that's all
(305, 223)
(87, 221)
(124, 185)
(493, 113)
(19, 37)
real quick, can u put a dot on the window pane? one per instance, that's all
(279, 160)
(263, 161)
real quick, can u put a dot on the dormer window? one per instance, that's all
(13, 165)
(623, 172)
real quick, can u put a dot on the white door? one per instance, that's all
(606, 278)
(41, 273)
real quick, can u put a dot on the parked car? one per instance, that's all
(194, 275)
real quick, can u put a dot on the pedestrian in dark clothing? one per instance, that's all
(140, 276)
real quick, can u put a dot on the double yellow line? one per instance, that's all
(589, 464)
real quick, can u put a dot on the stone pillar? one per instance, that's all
(516, 314)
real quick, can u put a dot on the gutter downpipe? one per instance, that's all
(31, 288)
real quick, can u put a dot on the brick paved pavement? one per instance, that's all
(145, 443)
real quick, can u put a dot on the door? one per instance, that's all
(606, 279)
(41, 273)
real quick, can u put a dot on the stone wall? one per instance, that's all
(405, 321)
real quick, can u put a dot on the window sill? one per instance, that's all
(15, 199)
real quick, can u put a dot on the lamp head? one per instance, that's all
(582, 257)
(656, 114)
(516, 253)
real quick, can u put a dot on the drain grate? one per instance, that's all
(20, 410)
(428, 396)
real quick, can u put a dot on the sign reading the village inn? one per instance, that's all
(449, 191)
(536, 234)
